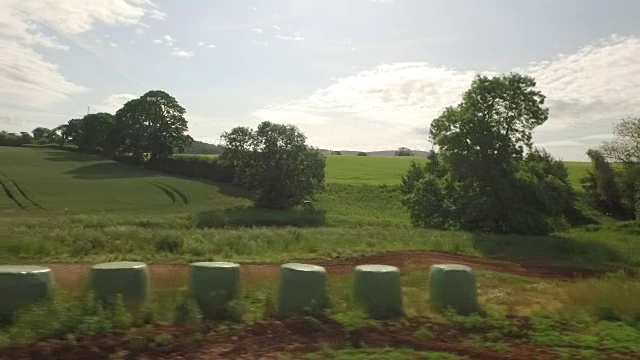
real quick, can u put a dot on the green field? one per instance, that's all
(95, 209)
(78, 208)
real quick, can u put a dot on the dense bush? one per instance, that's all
(481, 179)
(616, 191)
(254, 217)
(275, 164)
(200, 167)
(12, 139)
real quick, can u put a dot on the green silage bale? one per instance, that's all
(129, 278)
(378, 289)
(454, 286)
(22, 286)
(302, 288)
(213, 285)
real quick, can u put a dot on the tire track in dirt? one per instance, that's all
(70, 275)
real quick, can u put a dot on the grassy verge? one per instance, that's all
(518, 314)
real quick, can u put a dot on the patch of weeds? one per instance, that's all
(234, 310)
(122, 319)
(119, 355)
(270, 309)
(354, 319)
(425, 334)
(187, 311)
(162, 340)
(168, 244)
(145, 316)
(136, 342)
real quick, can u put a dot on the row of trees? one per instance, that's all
(273, 162)
(152, 124)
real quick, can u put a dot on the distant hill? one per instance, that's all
(374, 153)
(199, 147)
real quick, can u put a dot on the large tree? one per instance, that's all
(486, 175)
(40, 133)
(153, 123)
(274, 163)
(90, 132)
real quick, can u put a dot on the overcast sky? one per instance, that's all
(352, 74)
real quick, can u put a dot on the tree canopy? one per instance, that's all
(480, 178)
(616, 191)
(153, 123)
(274, 163)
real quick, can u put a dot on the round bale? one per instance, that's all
(213, 285)
(22, 286)
(302, 288)
(453, 285)
(129, 278)
(377, 287)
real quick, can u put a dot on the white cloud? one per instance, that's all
(295, 37)
(257, 31)
(260, 43)
(141, 28)
(275, 27)
(166, 40)
(204, 44)
(181, 53)
(254, 8)
(112, 44)
(113, 102)
(157, 14)
(27, 79)
(382, 1)
(345, 44)
(587, 92)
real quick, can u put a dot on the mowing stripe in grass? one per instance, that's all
(10, 195)
(21, 191)
(186, 199)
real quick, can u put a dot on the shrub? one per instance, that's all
(361, 153)
(255, 217)
(275, 164)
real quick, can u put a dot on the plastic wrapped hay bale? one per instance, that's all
(213, 285)
(377, 287)
(302, 288)
(129, 278)
(453, 285)
(22, 286)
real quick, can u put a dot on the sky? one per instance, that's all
(351, 74)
